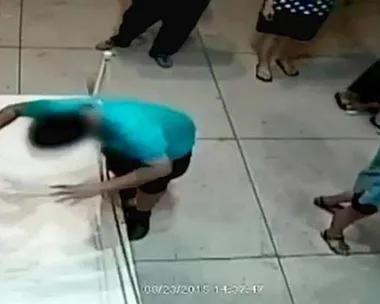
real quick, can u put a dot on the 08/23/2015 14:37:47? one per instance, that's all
(234, 289)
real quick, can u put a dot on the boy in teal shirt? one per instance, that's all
(145, 146)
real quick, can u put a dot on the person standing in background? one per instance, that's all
(178, 20)
(285, 23)
(363, 94)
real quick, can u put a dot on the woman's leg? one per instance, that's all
(287, 55)
(266, 49)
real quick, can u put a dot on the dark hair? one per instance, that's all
(57, 131)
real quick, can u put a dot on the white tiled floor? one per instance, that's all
(243, 214)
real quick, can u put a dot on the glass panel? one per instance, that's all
(57, 252)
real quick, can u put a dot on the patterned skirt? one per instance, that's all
(297, 19)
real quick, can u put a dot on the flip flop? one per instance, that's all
(283, 69)
(263, 79)
(346, 107)
(320, 203)
(336, 244)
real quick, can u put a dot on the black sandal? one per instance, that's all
(337, 244)
(263, 79)
(320, 203)
(283, 69)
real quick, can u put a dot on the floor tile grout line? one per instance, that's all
(245, 163)
(229, 138)
(255, 257)
(308, 138)
(89, 48)
(20, 33)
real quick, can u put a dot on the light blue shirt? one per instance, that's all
(142, 131)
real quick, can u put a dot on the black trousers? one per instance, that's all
(366, 86)
(178, 18)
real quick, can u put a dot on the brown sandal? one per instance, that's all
(337, 244)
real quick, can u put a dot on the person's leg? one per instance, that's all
(363, 93)
(334, 202)
(120, 166)
(360, 208)
(366, 85)
(136, 20)
(287, 55)
(339, 198)
(179, 20)
(123, 6)
(148, 196)
(265, 50)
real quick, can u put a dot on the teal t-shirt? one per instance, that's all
(142, 131)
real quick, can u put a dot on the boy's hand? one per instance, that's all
(76, 192)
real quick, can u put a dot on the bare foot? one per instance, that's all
(288, 67)
(263, 72)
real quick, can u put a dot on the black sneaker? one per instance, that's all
(127, 209)
(344, 104)
(164, 61)
(138, 224)
(109, 45)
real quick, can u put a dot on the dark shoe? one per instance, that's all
(105, 45)
(164, 61)
(109, 45)
(345, 105)
(138, 224)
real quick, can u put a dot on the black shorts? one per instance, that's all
(120, 165)
(366, 209)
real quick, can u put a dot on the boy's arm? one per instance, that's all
(11, 113)
(151, 153)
